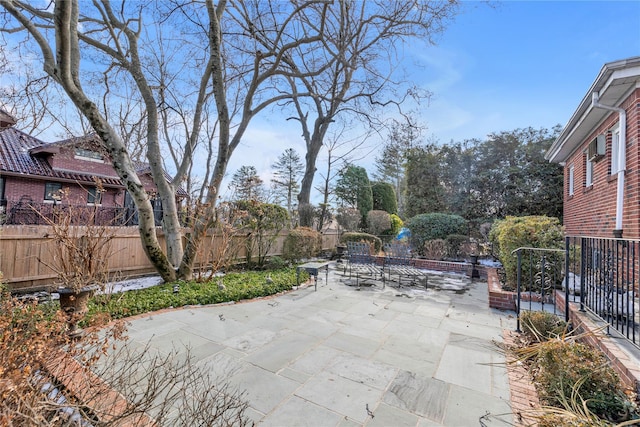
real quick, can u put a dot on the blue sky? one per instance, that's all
(522, 64)
(496, 68)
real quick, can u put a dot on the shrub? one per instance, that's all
(511, 233)
(378, 222)
(432, 226)
(435, 249)
(570, 370)
(263, 222)
(363, 237)
(276, 263)
(348, 218)
(541, 325)
(454, 245)
(301, 242)
(396, 224)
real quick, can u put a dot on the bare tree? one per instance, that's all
(210, 61)
(341, 151)
(363, 37)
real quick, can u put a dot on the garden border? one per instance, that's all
(622, 360)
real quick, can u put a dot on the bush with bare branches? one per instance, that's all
(80, 246)
(100, 379)
(221, 246)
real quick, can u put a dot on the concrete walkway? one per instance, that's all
(346, 356)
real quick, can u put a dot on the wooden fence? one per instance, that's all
(26, 253)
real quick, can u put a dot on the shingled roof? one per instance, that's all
(19, 156)
(6, 119)
(16, 158)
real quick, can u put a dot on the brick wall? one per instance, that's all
(67, 160)
(591, 211)
(18, 187)
(624, 364)
(498, 298)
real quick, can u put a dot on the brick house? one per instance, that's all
(599, 149)
(33, 173)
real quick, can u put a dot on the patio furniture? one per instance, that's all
(398, 262)
(313, 268)
(361, 264)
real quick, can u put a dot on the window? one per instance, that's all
(52, 191)
(588, 180)
(94, 196)
(1, 188)
(571, 172)
(90, 155)
(615, 148)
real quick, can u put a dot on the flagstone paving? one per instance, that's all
(351, 356)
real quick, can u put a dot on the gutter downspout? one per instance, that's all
(622, 163)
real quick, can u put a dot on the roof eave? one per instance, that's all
(624, 76)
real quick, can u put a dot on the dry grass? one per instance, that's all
(574, 381)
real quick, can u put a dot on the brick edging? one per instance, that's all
(499, 298)
(525, 404)
(626, 368)
(93, 391)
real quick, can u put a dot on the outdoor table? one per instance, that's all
(313, 268)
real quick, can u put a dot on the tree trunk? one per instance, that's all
(313, 148)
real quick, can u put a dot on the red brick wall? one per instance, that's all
(67, 161)
(18, 187)
(592, 211)
(593, 335)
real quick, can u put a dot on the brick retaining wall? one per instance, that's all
(624, 363)
(627, 368)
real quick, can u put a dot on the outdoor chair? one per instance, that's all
(398, 262)
(361, 264)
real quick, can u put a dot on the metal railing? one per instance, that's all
(599, 274)
(26, 212)
(603, 278)
(539, 275)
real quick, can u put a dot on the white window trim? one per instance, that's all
(571, 180)
(80, 156)
(589, 173)
(88, 159)
(98, 195)
(615, 148)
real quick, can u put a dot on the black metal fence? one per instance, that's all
(539, 275)
(603, 278)
(599, 274)
(27, 212)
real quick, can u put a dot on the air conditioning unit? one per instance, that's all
(597, 148)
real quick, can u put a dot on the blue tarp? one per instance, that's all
(404, 232)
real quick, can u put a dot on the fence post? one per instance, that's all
(567, 248)
(518, 291)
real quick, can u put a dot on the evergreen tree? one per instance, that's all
(425, 192)
(246, 184)
(384, 197)
(285, 182)
(391, 165)
(354, 188)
